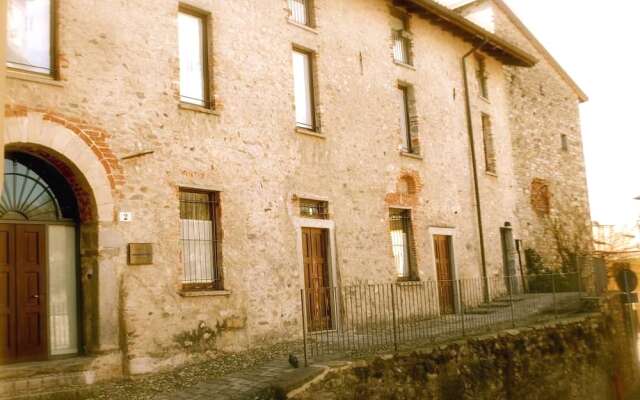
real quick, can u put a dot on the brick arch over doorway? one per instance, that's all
(81, 154)
(58, 139)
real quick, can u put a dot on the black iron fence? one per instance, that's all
(392, 316)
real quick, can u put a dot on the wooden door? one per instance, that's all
(23, 295)
(509, 261)
(446, 293)
(7, 293)
(316, 279)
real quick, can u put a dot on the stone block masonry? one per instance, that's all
(116, 95)
(581, 359)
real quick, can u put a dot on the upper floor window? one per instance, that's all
(301, 11)
(564, 142)
(303, 89)
(482, 76)
(489, 146)
(30, 36)
(192, 44)
(401, 39)
(405, 120)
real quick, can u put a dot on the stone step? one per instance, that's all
(43, 379)
(14, 388)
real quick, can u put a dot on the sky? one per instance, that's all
(597, 44)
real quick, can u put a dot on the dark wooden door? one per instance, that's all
(446, 293)
(23, 296)
(316, 279)
(7, 293)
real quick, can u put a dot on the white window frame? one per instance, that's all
(304, 96)
(185, 11)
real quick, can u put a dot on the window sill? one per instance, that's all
(485, 99)
(492, 174)
(415, 156)
(200, 109)
(301, 26)
(29, 77)
(204, 293)
(401, 64)
(309, 132)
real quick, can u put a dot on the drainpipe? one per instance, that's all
(467, 100)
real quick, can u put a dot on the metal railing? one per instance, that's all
(365, 317)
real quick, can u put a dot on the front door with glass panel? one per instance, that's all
(38, 282)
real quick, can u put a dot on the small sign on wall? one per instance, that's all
(140, 254)
(125, 216)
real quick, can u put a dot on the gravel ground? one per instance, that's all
(217, 365)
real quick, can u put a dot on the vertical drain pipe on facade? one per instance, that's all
(467, 99)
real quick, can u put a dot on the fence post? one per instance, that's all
(553, 288)
(581, 262)
(393, 312)
(513, 320)
(304, 328)
(461, 305)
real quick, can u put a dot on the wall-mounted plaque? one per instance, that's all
(139, 254)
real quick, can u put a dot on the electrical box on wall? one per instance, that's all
(140, 254)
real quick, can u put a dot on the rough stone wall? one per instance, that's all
(542, 108)
(119, 73)
(582, 359)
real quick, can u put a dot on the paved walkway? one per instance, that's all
(270, 380)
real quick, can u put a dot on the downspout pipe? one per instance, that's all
(476, 186)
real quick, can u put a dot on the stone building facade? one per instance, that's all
(106, 129)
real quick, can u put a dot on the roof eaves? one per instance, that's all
(458, 25)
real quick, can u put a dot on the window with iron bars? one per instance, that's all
(200, 220)
(402, 243)
(317, 209)
(401, 40)
(301, 11)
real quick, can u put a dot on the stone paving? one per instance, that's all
(270, 380)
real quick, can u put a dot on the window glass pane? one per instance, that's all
(63, 307)
(191, 46)
(302, 89)
(29, 35)
(299, 11)
(399, 231)
(404, 120)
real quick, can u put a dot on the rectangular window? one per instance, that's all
(489, 147)
(405, 119)
(564, 142)
(192, 44)
(482, 76)
(401, 40)
(317, 209)
(30, 36)
(300, 11)
(303, 89)
(401, 242)
(199, 220)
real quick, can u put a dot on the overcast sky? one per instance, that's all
(597, 43)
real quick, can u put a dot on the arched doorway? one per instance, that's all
(39, 291)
